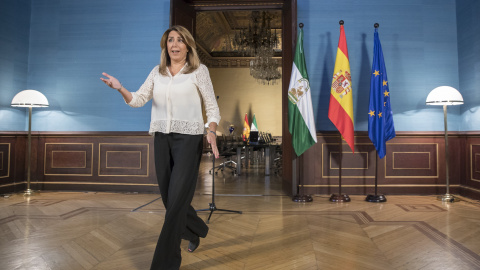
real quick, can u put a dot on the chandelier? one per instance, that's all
(264, 68)
(259, 41)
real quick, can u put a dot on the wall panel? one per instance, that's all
(5, 159)
(411, 160)
(123, 161)
(68, 159)
(89, 161)
(414, 164)
(472, 164)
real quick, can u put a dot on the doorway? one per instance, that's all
(183, 12)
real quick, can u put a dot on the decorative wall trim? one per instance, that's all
(412, 157)
(123, 161)
(5, 159)
(475, 162)
(414, 164)
(68, 159)
(126, 159)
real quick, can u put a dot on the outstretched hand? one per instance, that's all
(111, 81)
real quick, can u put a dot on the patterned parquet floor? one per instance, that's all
(89, 230)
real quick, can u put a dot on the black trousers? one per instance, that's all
(177, 160)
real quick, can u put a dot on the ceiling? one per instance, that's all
(215, 31)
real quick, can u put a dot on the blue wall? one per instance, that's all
(14, 36)
(420, 50)
(468, 27)
(72, 42)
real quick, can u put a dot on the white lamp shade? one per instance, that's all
(29, 98)
(444, 95)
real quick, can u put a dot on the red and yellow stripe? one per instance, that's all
(246, 129)
(340, 110)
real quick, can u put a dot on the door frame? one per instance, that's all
(181, 9)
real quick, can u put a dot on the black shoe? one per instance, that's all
(193, 245)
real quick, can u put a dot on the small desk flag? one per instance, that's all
(254, 124)
(246, 129)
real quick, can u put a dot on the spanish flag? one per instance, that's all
(340, 110)
(246, 129)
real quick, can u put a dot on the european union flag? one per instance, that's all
(380, 120)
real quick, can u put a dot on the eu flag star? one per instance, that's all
(379, 115)
(386, 93)
(371, 113)
(384, 83)
(376, 73)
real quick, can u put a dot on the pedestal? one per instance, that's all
(376, 198)
(339, 198)
(302, 198)
(448, 198)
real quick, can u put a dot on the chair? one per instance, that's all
(227, 149)
(277, 160)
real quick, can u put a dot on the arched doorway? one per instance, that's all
(183, 12)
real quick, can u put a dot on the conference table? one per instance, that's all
(249, 149)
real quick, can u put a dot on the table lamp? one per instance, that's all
(29, 99)
(445, 95)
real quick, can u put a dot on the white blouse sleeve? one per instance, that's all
(204, 84)
(145, 92)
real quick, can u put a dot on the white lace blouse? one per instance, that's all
(176, 105)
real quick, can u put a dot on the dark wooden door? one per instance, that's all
(182, 12)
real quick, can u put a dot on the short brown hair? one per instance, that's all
(193, 61)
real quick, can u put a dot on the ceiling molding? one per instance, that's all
(215, 31)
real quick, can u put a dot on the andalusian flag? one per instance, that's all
(380, 120)
(254, 124)
(246, 129)
(301, 123)
(340, 110)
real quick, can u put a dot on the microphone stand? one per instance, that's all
(212, 205)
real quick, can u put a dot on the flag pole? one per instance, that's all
(300, 196)
(375, 197)
(340, 197)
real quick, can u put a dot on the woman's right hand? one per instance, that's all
(111, 81)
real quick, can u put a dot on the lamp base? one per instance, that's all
(29, 192)
(376, 198)
(302, 198)
(339, 198)
(448, 198)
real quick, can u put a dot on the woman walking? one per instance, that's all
(177, 87)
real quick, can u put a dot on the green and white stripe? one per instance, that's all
(301, 123)
(254, 124)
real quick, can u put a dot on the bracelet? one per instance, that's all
(213, 133)
(121, 86)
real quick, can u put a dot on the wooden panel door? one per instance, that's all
(182, 13)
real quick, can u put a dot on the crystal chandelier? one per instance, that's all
(264, 68)
(259, 41)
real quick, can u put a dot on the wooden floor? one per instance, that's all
(76, 230)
